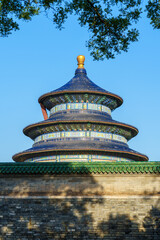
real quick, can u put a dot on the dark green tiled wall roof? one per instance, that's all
(78, 168)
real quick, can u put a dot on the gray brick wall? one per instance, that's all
(114, 206)
(80, 218)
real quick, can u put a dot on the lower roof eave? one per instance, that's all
(21, 157)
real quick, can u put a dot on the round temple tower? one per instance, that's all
(80, 126)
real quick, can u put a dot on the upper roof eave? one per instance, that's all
(118, 98)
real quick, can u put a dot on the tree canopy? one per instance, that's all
(111, 23)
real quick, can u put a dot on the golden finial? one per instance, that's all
(80, 60)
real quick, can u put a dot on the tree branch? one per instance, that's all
(97, 13)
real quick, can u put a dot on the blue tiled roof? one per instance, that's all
(80, 82)
(80, 115)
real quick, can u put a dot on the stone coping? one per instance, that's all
(79, 168)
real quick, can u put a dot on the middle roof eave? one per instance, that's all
(49, 122)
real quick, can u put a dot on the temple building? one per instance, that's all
(80, 127)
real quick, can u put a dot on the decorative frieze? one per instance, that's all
(80, 135)
(80, 106)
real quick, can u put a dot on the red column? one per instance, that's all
(44, 112)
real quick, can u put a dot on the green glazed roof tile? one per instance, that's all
(79, 168)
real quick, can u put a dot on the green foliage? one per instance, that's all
(111, 23)
(11, 10)
(153, 9)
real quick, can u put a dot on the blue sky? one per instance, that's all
(39, 58)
